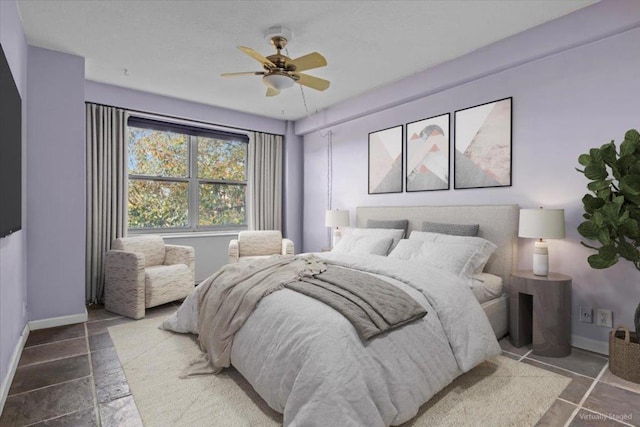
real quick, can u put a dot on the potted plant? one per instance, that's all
(612, 207)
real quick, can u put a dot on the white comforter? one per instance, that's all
(307, 361)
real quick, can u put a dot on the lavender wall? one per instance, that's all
(292, 191)
(55, 185)
(574, 98)
(13, 284)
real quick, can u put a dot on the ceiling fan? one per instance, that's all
(280, 71)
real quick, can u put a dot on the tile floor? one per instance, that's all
(71, 376)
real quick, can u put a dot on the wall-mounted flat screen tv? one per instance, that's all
(10, 151)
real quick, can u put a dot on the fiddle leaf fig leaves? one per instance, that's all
(630, 228)
(628, 251)
(632, 135)
(608, 153)
(584, 159)
(596, 156)
(592, 203)
(612, 206)
(608, 252)
(599, 185)
(630, 185)
(627, 147)
(589, 230)
(595, 172)
(597, 261)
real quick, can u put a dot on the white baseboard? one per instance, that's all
(58, 321)
(17, 351)
(13, 365)
(601, 347)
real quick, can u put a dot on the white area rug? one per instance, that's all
(499, 392)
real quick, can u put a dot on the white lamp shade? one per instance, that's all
(336, 218)
(278, 81)
(542, 223)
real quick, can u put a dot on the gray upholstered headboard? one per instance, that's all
(498, 224)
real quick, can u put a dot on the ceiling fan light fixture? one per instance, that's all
(278, 81)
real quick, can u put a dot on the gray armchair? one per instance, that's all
(143, 272)
(259, 244)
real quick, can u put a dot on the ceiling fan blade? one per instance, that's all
(308, 62)
(313, 82)
(272, 92)
(246, 73)
(255, 55)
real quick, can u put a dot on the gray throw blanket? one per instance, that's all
(372, 305)
(229, 296)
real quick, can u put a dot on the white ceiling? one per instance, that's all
(180, 48)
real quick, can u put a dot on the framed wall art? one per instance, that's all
(428, 154)
(482, 155)
(385, 161)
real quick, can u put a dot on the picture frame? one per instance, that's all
(428, 145)
(385, 161)
(483, 145)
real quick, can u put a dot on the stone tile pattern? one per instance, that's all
(71, 376)
(62, 380)
(594, 397)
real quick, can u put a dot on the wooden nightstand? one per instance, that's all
(540, 312)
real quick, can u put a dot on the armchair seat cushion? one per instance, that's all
(259, 244)
(165, 283)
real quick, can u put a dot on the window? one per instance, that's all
(185, 178)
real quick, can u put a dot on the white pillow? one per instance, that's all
(363, 245)
(396, 235)
(486, 247)
(458, 258)
(407, 249)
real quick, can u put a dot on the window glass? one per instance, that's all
(158, 153)
(158, 204)
(221, 160)
(185, 178)
(222, 204)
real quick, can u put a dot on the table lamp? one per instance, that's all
(541, 224)
(336, 218)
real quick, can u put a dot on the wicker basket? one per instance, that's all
(624, 354)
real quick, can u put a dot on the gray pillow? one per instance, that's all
(451, 229)
(393, 224)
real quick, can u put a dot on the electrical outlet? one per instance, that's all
(605, 318)
(586, 314)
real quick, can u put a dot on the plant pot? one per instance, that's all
(624, 354)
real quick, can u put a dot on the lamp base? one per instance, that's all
(335, 237)
(541, 258)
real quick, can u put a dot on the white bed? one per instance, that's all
(307, 361)
(498, 224)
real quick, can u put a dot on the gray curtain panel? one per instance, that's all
(106, 190)
(265, 182)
